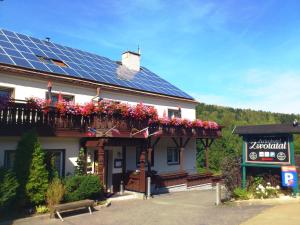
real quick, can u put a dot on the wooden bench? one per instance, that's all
(72, 206)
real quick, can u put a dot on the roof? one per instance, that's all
(22, 51)
(267, 129)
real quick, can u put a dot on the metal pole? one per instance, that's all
(148, 187)
(218, 194)
(122, 187)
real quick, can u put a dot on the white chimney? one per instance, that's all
(131, 60)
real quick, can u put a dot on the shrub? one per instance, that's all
(37, 184)
(8, 187)
(83, 187)
(55, 192)
(267, 191)
(231, 173)
(81, 162)
(22, 162)
(41, 209)
(239, 193)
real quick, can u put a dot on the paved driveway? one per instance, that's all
(188, 208)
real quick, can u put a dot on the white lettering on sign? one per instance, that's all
(258, 145)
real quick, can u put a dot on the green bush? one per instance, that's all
(232, 173)
(8, 187)
(83, 187)
(81, 163)
(22, 163)
(239, 193)
(41, 209)
(37, 184)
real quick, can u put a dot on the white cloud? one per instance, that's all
(261, 90)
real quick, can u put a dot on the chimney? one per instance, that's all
(131, 60)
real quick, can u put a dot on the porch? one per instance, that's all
(111, 132)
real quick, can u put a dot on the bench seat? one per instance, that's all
(72, 206)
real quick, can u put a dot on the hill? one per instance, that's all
(231, 144)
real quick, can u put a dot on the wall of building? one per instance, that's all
(25, 88)
(71, 146)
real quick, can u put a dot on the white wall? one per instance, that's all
(25, 88)
(71, 146)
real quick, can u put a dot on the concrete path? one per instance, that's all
(187, 208)
(288, 214)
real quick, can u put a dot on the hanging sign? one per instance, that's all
(289, 176)
(268, 149)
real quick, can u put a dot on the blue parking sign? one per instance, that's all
(289, 176)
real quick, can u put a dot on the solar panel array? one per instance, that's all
(25, 51)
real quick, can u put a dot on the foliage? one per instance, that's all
(83, 187)
(267, 191)
(81, 163)
(22, 162)
(8, 187)
(232, 173)
(231, 144)
(41, 209)
(107, 108)
(239, 193)
(55, 192)
(37, 184)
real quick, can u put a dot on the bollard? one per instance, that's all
(148, 187)
(121, 188)
(218, 194)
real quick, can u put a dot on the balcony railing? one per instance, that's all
(17, 116)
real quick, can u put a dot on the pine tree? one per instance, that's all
(22, 162)
(81, 162)
(37, 184)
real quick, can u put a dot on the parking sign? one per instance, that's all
(289, 176)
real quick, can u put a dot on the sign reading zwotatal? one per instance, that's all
(270, 150)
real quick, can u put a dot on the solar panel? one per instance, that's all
(29, 52)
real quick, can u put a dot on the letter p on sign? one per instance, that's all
(289, 176)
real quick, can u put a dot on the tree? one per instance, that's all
(8, 188)
(37, 184)
(22, 162)
(81, 163)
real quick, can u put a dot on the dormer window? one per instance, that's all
(52, 61)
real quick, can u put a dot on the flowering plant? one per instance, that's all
(138, 112)
(266, 192)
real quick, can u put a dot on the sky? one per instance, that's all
(236, 53)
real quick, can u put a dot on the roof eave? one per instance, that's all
(24, 71)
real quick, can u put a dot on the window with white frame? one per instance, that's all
(6, 92)
(54, 159)
(172, 156)
(55, 96)
(174, 113)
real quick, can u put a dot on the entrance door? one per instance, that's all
(114, 168)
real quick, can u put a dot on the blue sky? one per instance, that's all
(233, 53)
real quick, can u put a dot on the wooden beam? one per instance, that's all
(156, 142)
(176, 143)
(186, 142)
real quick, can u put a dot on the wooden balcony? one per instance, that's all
(17, 116)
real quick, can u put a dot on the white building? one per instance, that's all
(28, 65)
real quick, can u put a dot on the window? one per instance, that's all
(54, 159)
(54, 97)
(6, 92)
(52, 61)
(174, 113)
(172, 156)
(9, 159)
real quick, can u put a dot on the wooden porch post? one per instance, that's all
(206, 154)
(142, 169)
(101, 163)
(149, 154)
